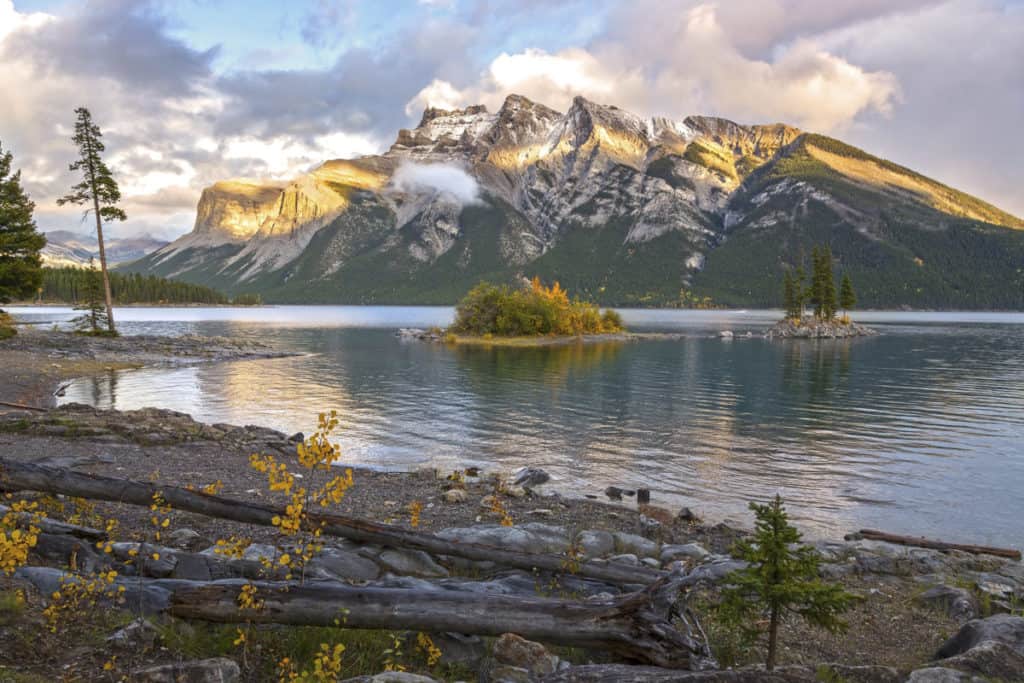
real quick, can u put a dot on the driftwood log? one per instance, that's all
(651, 626)
(22, 476)
(920, 542)
(54, 526)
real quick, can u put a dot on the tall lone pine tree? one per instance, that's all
(21, 271)
(98, 188)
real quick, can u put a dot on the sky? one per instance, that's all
(190, 92)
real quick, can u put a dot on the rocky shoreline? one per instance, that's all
(809, 328)
(924, 616)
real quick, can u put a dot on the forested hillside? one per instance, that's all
(68, 285)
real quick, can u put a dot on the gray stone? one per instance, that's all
(216, 670)
(517, 651)
(261, 552)
(392, 677)
(192, 567)
(333, 563)
(530, 477)
(958, 603)
(510, 674)
(625, 558)
(139, 635)
(185, 538)
(595, 543)
(637, 545)
(992, 659)
(940, 674)
(460, 648)
(688, 551)
(411, 563)
(1002, 628)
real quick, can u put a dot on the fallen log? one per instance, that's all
(54, 526)
(640, 627)
(22, 406)
(16, 475)
(920, 542)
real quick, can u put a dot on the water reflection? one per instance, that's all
(916, 430)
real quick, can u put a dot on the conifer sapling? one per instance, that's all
(781, 579)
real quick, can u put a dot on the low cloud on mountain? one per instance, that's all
(448, 180)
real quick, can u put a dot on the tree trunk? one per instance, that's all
(15, 475)
(637, 627)
(773, 638)
(99, 240)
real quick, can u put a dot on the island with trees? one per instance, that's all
(829, 308)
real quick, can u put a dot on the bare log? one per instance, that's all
(646, 626)
(920, 542)
(22, 406)
(15, 475)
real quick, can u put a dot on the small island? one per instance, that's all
(530, 315)
(820, 294)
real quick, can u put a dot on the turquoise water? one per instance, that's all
(919, 430)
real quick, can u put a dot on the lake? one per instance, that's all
(919, 430)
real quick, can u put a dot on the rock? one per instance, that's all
(687, 515)
(460, 648)
(992, 659)
(392, 677)
(643, 496)
(688, 551)
(517, 651)
(940, 674)
(487, 502)
(809, 328)
(411, 563)
(649, 526)
(1002, 628)
(958, 603)
(260, 552)
(615, 493)
(717, 567)
(185, 538)
(343, 565)
(510, 674)
(626, 673)
(542, 512)
(726, 334)
(637, 545)
(297, 437)
(626, 558)
(192, 567)
(455, 496)
(216, 670)
(139, 635)
(595, 543)
(516, 491)
(530, 477)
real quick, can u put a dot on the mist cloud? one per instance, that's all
(448, 180)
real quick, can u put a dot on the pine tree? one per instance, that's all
(847, 297)
(828, 286)
(789, 296)
(94, 316)
(817, 288)
(781, 578)
(98, 188)
(20, 266)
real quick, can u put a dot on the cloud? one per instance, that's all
(447, 180)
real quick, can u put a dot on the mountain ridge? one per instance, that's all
(623, 209)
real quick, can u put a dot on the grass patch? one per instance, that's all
(12, 606)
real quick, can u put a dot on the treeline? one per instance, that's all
(71, 285)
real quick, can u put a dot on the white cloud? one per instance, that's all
(448, 180)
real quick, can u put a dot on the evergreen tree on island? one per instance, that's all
(21, 272)
(97, 188)
(782, 577)
(847, 297)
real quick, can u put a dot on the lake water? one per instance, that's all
(919, 430)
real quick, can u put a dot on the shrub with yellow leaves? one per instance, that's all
(18, 537)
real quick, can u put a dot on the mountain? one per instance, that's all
(66, 248)
(621, 209)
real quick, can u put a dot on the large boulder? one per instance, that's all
(411, 563)
(1002, 628)
(632, 544)
(991, 659)
(216, 670)
(595, 543)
